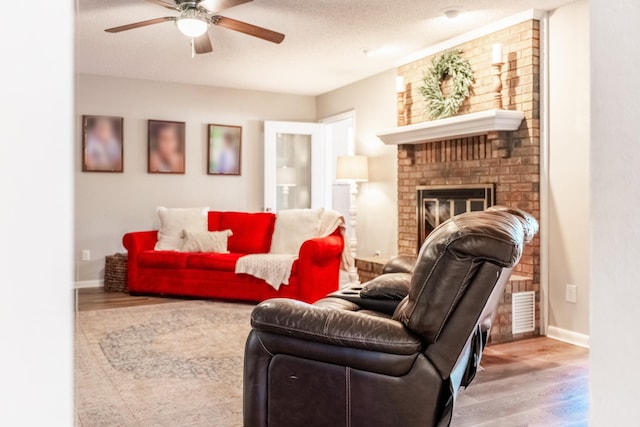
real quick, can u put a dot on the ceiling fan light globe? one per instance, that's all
(192, 27)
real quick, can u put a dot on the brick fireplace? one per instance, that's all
(506, 161)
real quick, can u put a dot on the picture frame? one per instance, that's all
(102, 144)
(224, 150)
(166, 147)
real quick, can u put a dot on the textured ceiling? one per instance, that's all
(323, 49)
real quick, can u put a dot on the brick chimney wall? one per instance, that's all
(510, 160)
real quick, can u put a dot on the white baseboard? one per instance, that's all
(88, 284)
(570, 337)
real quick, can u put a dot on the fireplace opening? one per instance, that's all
(436, 204)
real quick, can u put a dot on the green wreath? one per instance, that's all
(449, 64)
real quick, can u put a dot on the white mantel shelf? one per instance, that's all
(454, 127)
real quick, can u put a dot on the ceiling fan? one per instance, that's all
(196, 16)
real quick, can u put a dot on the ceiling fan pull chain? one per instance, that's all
(193, 48)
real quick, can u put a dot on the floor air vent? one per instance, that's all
(523, 312)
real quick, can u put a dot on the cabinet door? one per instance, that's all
(295, 175)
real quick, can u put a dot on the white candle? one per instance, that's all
(496, 54)
(400, 84)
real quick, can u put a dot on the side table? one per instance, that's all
(370, 267)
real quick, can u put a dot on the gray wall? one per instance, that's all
(374, 102)
(107, 205)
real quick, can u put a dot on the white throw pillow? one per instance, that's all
(293, 228)
(174, 221)
(206, 241)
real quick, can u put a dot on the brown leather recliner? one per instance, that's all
(374, 355)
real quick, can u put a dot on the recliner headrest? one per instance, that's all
(529, 223)
(448, 261)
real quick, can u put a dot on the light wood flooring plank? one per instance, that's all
(98, 299)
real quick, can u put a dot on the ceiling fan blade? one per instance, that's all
(140, 24)
(252, 30)
(214, 6)
(168, 4)
(202, 44)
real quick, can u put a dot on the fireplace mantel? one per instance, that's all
(454, 127)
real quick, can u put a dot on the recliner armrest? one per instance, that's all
(328, 325)
(399, 264)
(391, 286)
(352, 294)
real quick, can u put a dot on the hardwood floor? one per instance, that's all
(98, 299)
(534, 382)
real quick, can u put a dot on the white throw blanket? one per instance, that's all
(330, 221)
(275, 269)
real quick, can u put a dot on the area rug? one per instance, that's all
(175, 364)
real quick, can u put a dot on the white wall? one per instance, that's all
(569, 167)
(36, 215)
(109, 205)
(374, 102)
(615, 207)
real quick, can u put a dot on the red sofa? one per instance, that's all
(212, 275)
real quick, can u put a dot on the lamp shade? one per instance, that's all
(286, 177)
(352, 168)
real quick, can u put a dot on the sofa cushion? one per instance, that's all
(162, 259)
(206, 241)
(213, 261)
(294, 227)
(251, 231)
(174, 221)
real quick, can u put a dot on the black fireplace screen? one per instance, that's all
(436, 204)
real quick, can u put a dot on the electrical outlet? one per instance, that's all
(86, 255)
(571, 294)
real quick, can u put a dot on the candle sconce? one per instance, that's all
(405, 101)
(496, 68)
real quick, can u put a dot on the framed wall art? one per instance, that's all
(102, 144)
(224, 150)
(166, 147)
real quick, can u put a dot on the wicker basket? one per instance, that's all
(115, 273)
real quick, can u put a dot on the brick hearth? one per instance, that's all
(510, 160)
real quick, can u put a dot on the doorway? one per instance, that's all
(300, 164)
(300, 169)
